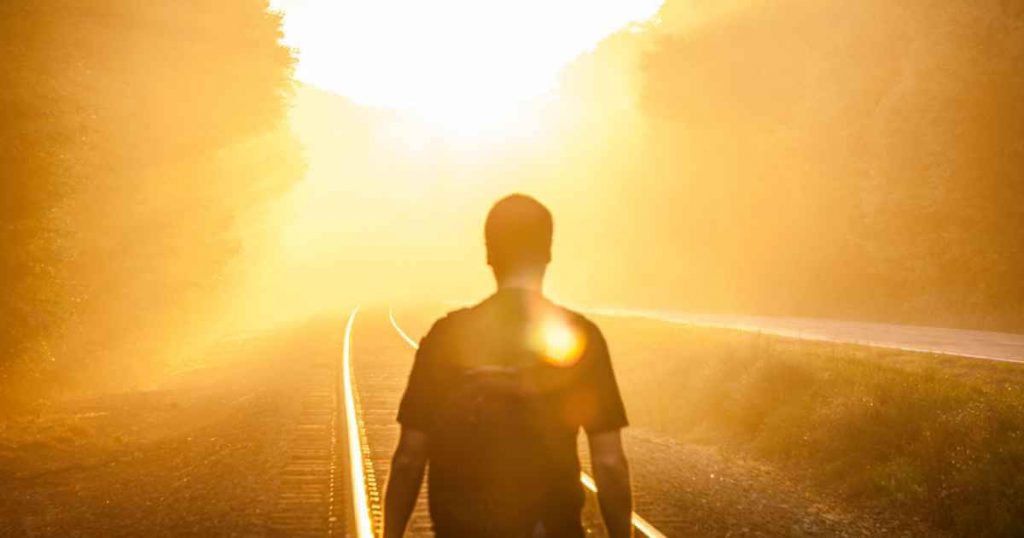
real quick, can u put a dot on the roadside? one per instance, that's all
(930, 441)
(985, 345)
(691, 490)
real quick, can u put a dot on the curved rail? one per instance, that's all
(406, 337)
(640, 524)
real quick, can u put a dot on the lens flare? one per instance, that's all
(560, 345)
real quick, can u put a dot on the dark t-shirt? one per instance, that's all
(501, 390)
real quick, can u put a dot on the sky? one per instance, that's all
(412, 126)
(714, 156)
(459, 65)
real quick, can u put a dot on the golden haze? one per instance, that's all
(695, 157)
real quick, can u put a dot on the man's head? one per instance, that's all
(518, 235)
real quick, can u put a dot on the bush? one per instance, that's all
(937, 436)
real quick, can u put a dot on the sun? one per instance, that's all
(461, 65)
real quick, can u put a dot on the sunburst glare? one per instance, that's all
(464, 66)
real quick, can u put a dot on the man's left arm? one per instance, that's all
(404, 481)
(415, 414)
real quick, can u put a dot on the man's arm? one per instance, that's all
(611, 473)
(404, 482)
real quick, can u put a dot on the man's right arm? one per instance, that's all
(603, 419)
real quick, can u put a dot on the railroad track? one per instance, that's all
(369, 397)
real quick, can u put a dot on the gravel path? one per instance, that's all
(204, 455)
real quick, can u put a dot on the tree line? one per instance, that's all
(857, 160)
(136, 138)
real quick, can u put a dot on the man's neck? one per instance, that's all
(531, 281)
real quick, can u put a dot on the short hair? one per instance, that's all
(518, 233)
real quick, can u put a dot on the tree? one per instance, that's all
(866, 154)
(138, 136)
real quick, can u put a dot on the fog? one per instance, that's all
(802, 158)
(831, 159)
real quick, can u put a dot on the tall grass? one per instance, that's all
(938, 437)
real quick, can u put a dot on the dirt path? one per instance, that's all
(986, 345)
(209, 453)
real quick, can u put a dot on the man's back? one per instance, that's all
(501, 390)
(496, 397)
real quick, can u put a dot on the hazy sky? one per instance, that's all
(730, 156)
(438, 109)
(459, 64)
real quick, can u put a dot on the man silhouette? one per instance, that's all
(496, 398)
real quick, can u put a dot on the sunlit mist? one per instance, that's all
(465, 66)
(795, 226)
(175, 172)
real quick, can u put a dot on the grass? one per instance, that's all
(937, 437)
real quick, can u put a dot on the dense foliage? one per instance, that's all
(135, 138)
(858, 159)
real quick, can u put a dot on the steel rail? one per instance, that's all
(353, 427)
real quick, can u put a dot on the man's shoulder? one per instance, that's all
(450, 321)
(578, 319)
(463, 315)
